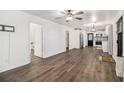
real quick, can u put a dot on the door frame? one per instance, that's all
(41, 37)
(120, 20)
(81, 39)
(88, 38)
(67, 40)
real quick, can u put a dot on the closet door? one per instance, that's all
(4, 49)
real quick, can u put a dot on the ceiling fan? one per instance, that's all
(71, 14)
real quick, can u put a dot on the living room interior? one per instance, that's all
(61, 46)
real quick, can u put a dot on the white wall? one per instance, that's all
(32, 33)
(17, 53)
(74, 39)
(120, 13)
(110, 39)
(18, 40)
(4, 54)
(119, 60)
(54, 40)
(85, 38)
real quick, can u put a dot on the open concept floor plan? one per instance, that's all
(61, 46)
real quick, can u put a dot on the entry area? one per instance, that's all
(77, 65)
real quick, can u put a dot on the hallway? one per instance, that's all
(77, 65)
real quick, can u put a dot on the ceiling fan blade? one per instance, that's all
(64, 13)
(78, 13)
(58, 17)
(78, 18)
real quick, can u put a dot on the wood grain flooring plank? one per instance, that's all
(76, 65)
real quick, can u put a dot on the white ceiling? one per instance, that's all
(102, 17)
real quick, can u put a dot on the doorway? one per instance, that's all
(120, 37)
(90, 39)
(81, 40)
(119, 44)
(36, 41)
(67, 40)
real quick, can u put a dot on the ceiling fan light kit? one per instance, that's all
(69, 18)
(71, 14)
